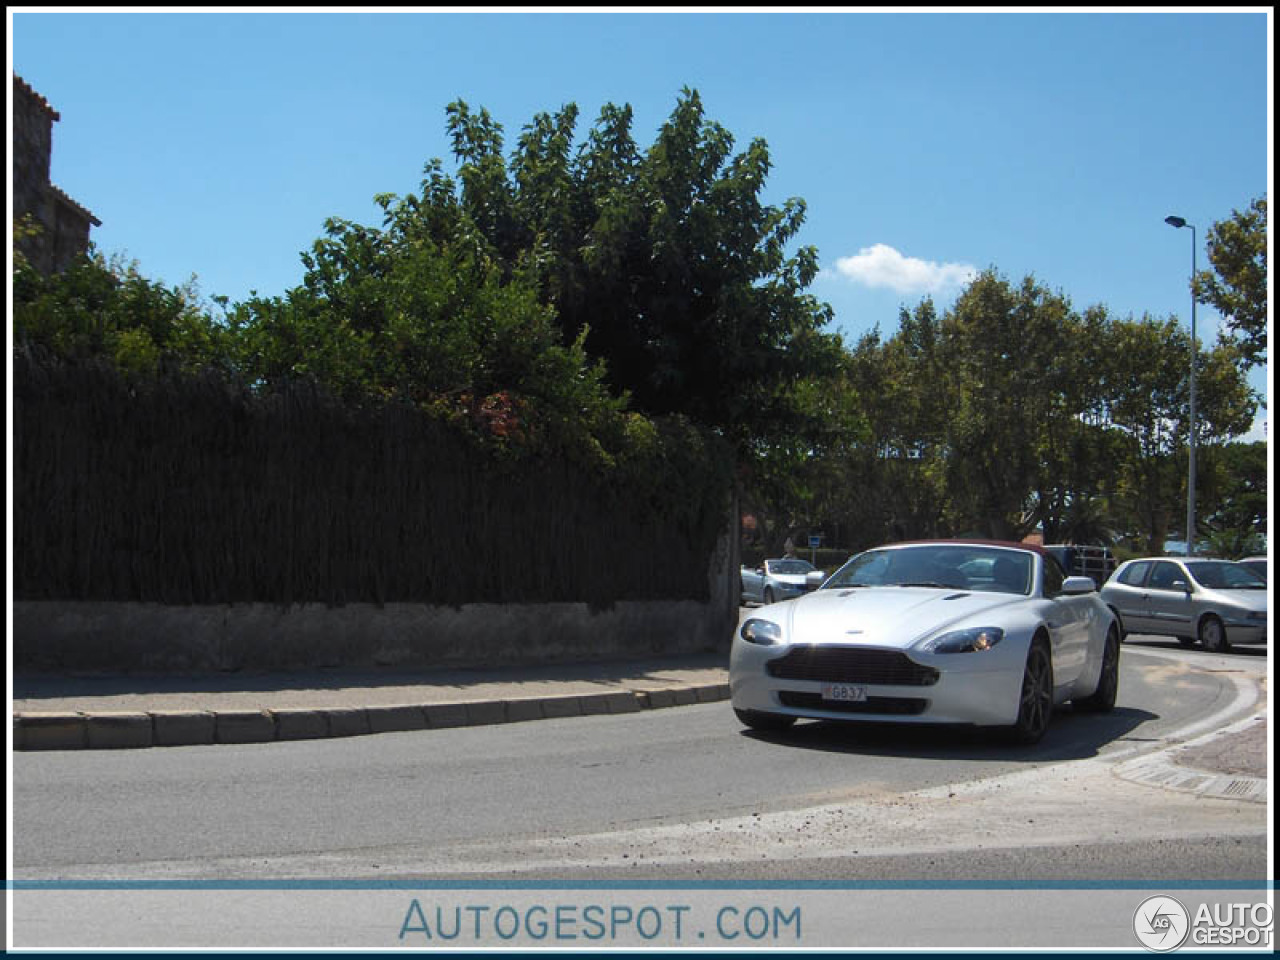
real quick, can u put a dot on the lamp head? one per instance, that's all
(1175, 221)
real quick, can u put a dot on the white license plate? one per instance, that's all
(845, 692)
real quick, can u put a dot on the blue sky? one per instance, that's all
(926, 145)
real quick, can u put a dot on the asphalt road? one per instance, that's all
(680, 792)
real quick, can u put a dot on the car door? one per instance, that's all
(1068, 622)
(1127, 595)
(1169, 600)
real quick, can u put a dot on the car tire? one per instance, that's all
(768, 595)
(1035, 700)
(1103, 698)
(764, 722)
(1213, 636)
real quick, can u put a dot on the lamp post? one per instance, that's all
(1179, 222)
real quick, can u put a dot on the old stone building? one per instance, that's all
(64, 224)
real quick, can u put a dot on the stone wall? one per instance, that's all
(64, 224)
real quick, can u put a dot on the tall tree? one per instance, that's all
(1235, 488)
(1237, 284)
(681, 276)
(1146, 397)
(1011, 376)
(895, 486)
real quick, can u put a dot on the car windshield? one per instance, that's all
(1257, 566)
(950, 566)
(790, 566)
(1222, 575)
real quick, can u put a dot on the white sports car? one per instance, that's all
(949, 631)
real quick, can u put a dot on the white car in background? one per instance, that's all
(953, 631)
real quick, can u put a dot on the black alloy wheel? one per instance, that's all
(1035, 705)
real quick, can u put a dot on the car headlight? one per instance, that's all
(764, 632)
(974, 640)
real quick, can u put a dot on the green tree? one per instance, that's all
(681, 274)
(99, 308)
(1234, 481)
(1145, 392)
(1012, 381)
(1237, 284)
(895, 483)
(417, 311)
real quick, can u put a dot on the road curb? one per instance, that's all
(1162, 769)
(121, 730)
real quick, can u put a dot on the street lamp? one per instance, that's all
(1179, 222)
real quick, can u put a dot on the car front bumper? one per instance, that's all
(1246, 632)
(971, 688)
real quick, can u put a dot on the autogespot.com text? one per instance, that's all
(617, 923)
(69, 915)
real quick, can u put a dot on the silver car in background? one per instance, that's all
(775, 580)
(1215, 602)
(1259, 565)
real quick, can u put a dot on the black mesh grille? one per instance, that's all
(882, 705)
(837, 664)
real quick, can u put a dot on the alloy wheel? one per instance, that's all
(1035, 706)
(1213, 636)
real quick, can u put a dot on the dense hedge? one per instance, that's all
(186, 489)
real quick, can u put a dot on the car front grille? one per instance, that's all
(841, 664)
(901, 706)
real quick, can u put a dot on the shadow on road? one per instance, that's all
(1071, 736)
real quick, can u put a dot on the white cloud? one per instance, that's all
(882, 266)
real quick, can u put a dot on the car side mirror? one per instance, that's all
(814, 579)
(760, 570)
(1075, 586)
(1181, 585)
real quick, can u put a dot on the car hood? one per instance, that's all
(887, 616)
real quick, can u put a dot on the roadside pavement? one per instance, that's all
(69, 712)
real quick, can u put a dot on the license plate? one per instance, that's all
(845, 692)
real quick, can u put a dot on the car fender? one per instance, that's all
(1046, 617)
(1103, 618)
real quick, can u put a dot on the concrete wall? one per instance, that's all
(160, 638)
(150, 637)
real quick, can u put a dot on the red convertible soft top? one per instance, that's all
(970, 542)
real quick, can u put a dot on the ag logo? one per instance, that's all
(1161, 923)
